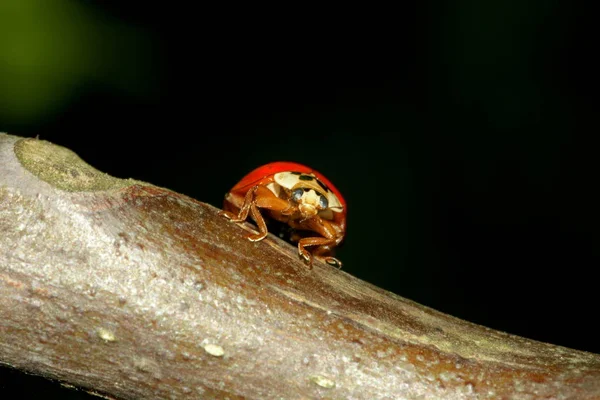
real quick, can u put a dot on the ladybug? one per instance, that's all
(297, 196)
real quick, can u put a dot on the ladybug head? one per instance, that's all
(309, 193)
(310, 201)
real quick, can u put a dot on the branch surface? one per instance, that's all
(137, 292)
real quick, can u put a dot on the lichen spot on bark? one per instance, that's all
(63, 168)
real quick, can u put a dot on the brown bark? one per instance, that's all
(135, 291)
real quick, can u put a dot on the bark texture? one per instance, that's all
(136, 292)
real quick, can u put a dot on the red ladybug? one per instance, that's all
(298, 196)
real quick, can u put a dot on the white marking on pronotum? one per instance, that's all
(287, 179)
(275, 188)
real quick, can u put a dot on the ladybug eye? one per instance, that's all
(297, 194)
(323, 203)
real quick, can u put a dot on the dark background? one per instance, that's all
(461, 134)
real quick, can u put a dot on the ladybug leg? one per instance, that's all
(334, 262)
(257, 197)
(315, 241)
(321, 250)
(244, 210)
(324, 244)
(260, 222)
(265, 199)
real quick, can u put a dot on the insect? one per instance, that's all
(297, 196)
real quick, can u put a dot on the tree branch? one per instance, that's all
(135, 291)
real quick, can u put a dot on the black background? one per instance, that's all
(462, 136)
